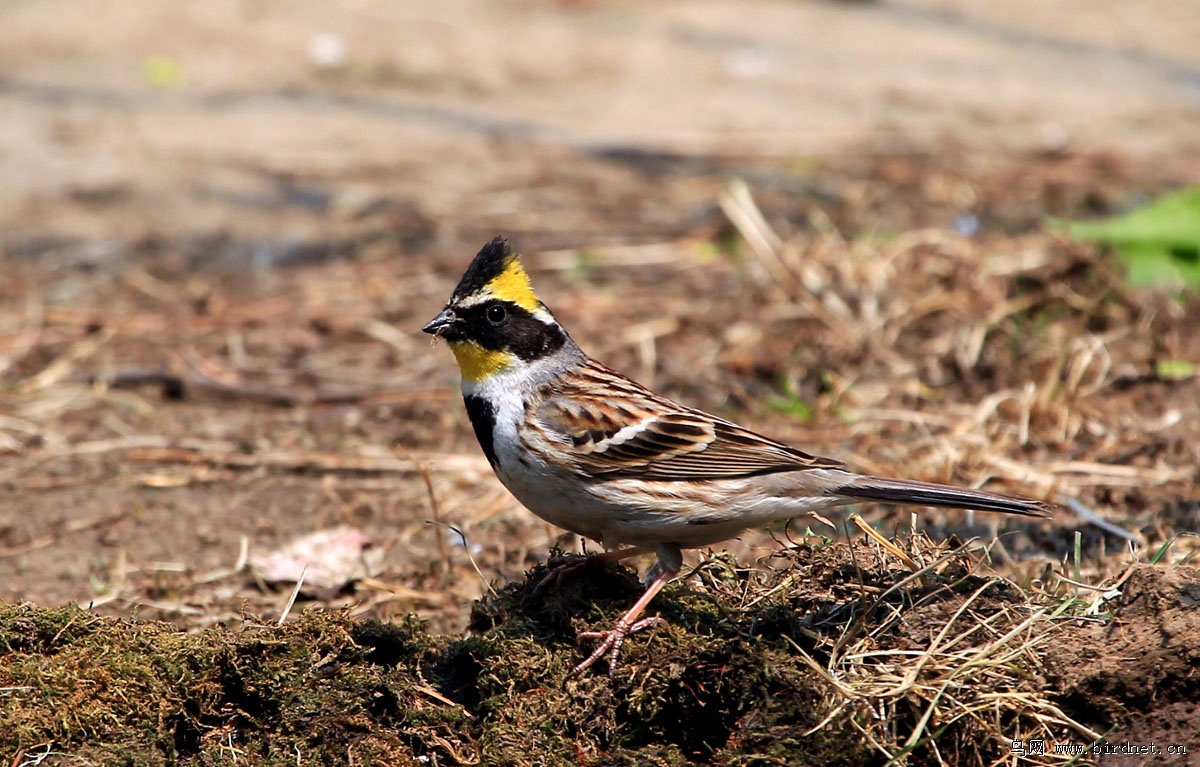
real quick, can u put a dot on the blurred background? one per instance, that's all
(284, 122)
(222, 225)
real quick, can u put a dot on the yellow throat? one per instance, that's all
(478, 363)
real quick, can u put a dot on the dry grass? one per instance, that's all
(977, 673)
(160, 427)
(904, 353)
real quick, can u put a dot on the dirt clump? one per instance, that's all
(826, 652)
(1136, 676)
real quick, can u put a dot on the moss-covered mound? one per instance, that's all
(824, 654)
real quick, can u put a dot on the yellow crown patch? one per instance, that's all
(513, 284)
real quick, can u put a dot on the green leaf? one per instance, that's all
(1159, 243)
(164, 72)
(790, 402)
(1175, 370)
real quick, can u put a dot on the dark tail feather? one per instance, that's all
(928, 494)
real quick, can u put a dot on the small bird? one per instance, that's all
(589, 450)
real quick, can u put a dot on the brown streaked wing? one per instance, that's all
(590, 411)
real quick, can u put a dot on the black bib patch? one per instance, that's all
(483, 420)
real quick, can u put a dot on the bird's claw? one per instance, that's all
(611, 642)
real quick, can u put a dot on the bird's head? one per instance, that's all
(493, 319)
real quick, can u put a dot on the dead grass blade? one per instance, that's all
(970, 677)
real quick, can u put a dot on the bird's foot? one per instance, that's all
(611, 642)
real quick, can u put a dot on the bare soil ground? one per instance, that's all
(210, 301)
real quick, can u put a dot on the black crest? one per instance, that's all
(489, 264)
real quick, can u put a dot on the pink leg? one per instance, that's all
(628, 624)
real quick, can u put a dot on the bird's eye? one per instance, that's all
(496, 314)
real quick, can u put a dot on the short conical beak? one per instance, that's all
(440, 322)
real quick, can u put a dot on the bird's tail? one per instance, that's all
(929, 494)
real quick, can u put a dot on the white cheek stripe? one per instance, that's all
(485, 294)
(475, 299)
